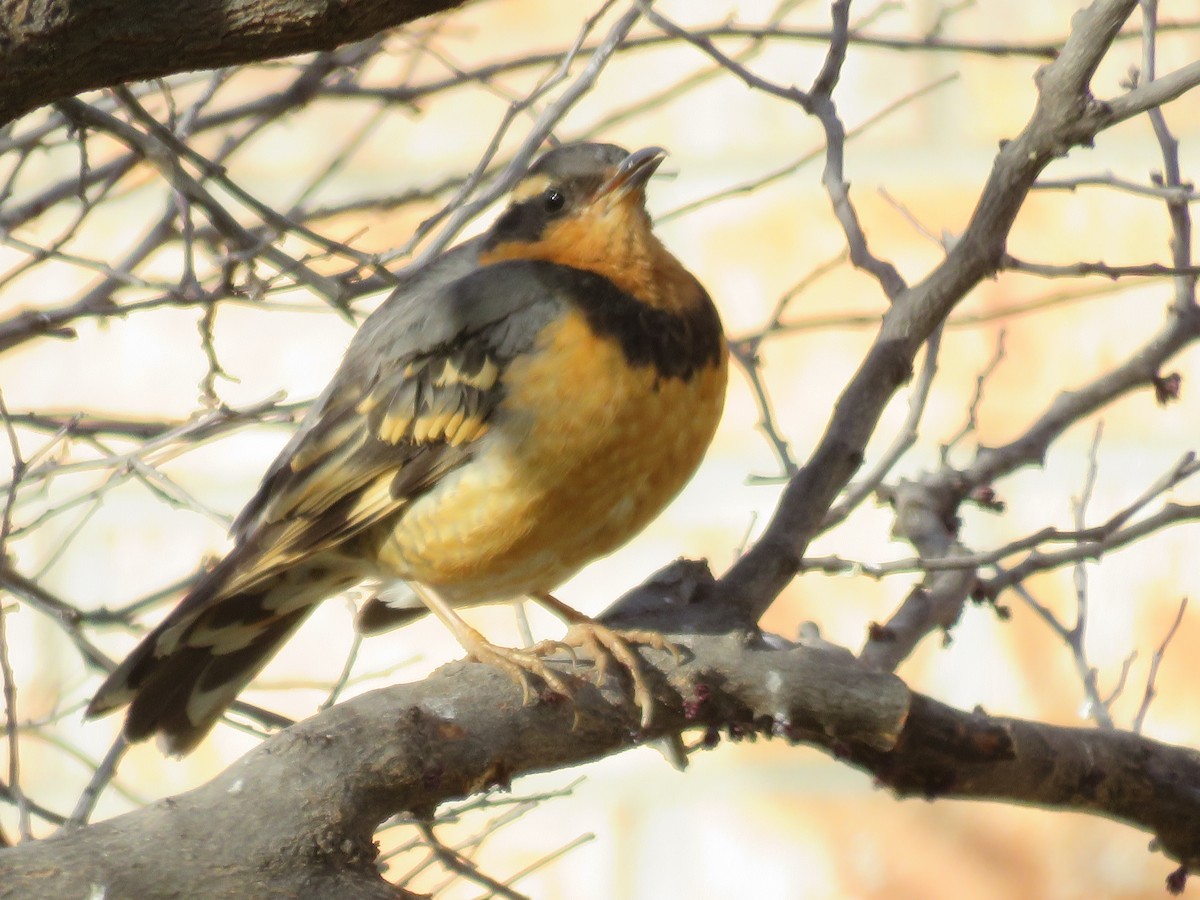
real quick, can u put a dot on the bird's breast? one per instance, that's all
(585, 449)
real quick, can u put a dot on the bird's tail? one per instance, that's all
(187, 671)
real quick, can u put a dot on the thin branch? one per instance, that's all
(1155, 661)
(1075, 270)
(702, 42)
(1037, 561)
(9, 685)
(1185, 193)
(804, 159)
(959, 320)
(460, 213)
(101, 776)
(905, 438)
(1077, 636)
(817, 102)
(981, 380)
(766, 416)
(1177, 209)
(152, 148)
(454, 861)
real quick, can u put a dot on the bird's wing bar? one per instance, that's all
(402, 411)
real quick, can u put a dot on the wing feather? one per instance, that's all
(411, 401)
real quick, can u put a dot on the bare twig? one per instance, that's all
(1090, 544)
(6, 671)
(1184, 193)
(1074, 270)
(456, 862)
(981, 380)
(1077, 636)
(1177, 207)
(459, 213)
(102, 775)
(905, 438)
(1155, 661)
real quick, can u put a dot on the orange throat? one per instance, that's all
(614, 241)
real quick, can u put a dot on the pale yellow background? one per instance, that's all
(762, 820)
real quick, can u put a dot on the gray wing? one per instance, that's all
(415, 392)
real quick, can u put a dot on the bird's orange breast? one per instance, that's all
(583, 452)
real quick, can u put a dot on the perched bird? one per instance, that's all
(525, 405)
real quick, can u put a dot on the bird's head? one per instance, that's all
(579, 204)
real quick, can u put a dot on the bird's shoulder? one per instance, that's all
(414, 394)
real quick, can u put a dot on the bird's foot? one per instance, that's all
(519, 665)
(604, 644)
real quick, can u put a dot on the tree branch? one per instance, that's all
(297, 815)
(1066, 115)
(50, 49)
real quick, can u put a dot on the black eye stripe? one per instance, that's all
(527, 218)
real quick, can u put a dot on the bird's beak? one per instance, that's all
(632, 174)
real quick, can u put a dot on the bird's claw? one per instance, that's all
(604, 644)
(549, 647)
(520, 664)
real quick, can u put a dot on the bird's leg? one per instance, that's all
(603, 643)
(518, 664)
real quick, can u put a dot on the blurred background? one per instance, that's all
(145, 480)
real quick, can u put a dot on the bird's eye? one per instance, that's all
(553, 200)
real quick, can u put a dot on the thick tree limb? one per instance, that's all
(51, 49)
(296, 816)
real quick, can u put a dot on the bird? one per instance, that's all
(525, 404)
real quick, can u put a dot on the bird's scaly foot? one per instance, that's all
(520, 664)
(603, 644)
(517, 664)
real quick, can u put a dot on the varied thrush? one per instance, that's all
(527, 403)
